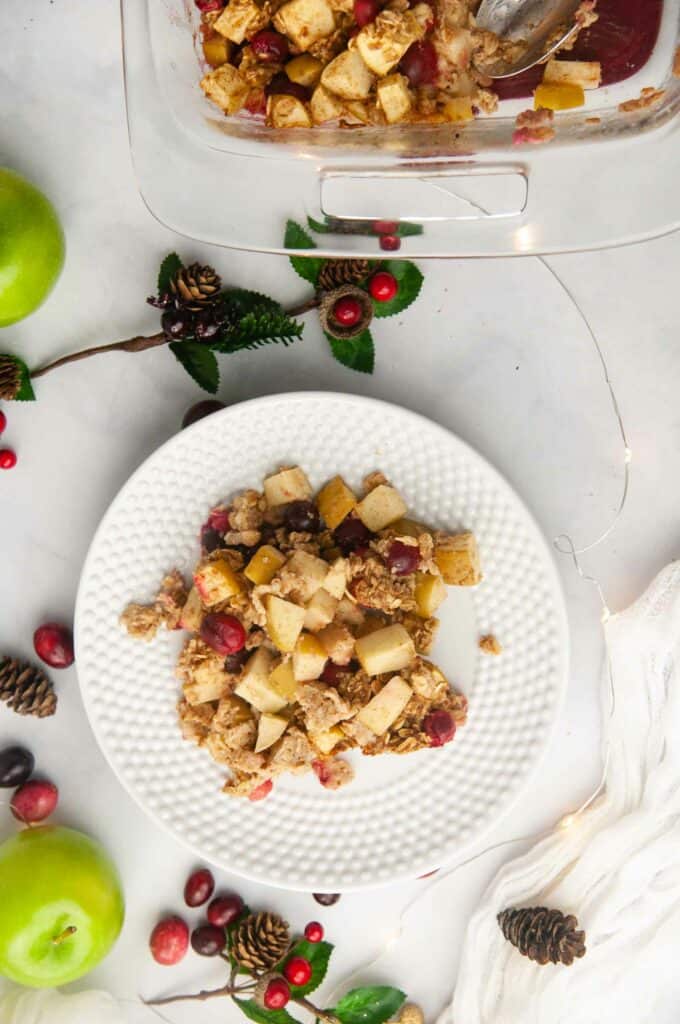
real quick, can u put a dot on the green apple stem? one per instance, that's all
(66, 934)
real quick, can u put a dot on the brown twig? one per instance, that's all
(137, 344)
(303, 307)
(201, 997)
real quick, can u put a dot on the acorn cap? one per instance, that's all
(331, 325)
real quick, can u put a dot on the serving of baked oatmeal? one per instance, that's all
(311, 617)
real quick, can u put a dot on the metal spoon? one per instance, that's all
(536, 22)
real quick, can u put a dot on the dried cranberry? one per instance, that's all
(402, 559)
(219, 520)
(302, 517)
(234, 662)
(210, 539)
(209, 5)
(419, 63)
(256, 102)
(439, 727)
(261, 791)
(332, 673)
(281, 85)
(224, 633)
(365, 11)
(269, 47)
(351, 534)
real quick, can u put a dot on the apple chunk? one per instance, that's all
(269, 730)
(430, 592)
(336, 579)
(309, 658)
(287, 485)
(282, 679)
(264, 565)
(192, 613)
(254, 685)
(336, 500)
(216, 581)
(385, 650)
(310, 571)
(457, 559)
(320, 611)
(284, 622)
(384, 709)
(328, 740)
(381, 506)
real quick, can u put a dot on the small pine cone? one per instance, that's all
(260, 942)
(196, 287)
(10, 379)
(335, 273)
(331, 325)
(544, 935)
(26, 689)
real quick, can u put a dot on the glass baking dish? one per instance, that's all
(608, 177)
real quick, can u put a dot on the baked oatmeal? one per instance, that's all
(310, 621)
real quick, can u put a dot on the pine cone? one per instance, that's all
(196, 287)
(10, 379)
(334, 273)
(331, 326)
(544, 935)
(260, 941)
(26, 689)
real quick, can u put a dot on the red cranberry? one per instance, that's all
(383, 286)
(440, 727)
(402, 559)
(225, 909)
(332, 673)
(322, 771)
(207, 940)
(3, 421)
(390, 243)
(209, 5)
(169, 941)
(419, 63)
(269, 47)
(281, 85)
(347, 311)
(326, 899)
(385, 227)
(365, 11)
(53, 643)
(224, 633)
(199, 888)
(351, 534)
(276, 994)
(261, 791)
(200, 411)
(314, 931)
(211, 540)
(303, 517)
(34, 801)
(256, 102)
(8, 458)
(298, 971)
(219, 520)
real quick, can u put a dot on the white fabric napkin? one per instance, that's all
(47, 1006)
(617, 867)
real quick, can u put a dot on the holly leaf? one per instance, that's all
(316, 225)
(199, 362)
(25, 392)
(409, 280)
(169, 267)
(243, 301)
(261, 327)
(296, 237)
(263, 1016)
(318, 954)
(372, 1005)
(357, 353)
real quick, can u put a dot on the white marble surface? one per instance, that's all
(493, 350)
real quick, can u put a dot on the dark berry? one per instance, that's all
(347, 311)
(351, 534)
(385, 227)
(199, 888)
(224, 633)
(402, 559)
(419, 63)
(200, 410)
(276, 994)
(440, 727)
(8, 458)
(169, 941)
(326, 899)
(281, 85)
(219, 519)
(383, 286)
(314, 931)
(208, 940)
(206, 328)
(365, 11)
(225, 909)
(298, 971)
(175, 324)
(302, 517)
(209, 5)
(34, 801)
(53, 643)
(261, 791)
(16, 766)
(390, 243)
(332, 673)
(233, 663)
(269, 47)
(211, 540)
(163, 301)
(3, 421)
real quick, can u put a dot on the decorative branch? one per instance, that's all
(137, 344)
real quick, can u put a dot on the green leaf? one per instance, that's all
(372, 1005)
(316, 225)
(410, 281)
(199, 362)
(356, 353)
(25, 392)
(360, 227)
(297, 238)
(169, 267)
(260, 327)
(243, 301)
(406, 228)
(263, 1016)
(318, 954)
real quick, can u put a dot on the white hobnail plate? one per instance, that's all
(402, 816)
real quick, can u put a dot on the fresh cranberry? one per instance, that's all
(298, 971)
(261, 791)
(383, 286)
(269, 47)
(314, 931)
(347, 311)
(225, 909)
(219, 520)
(169, 941)
(365, 11)
(281, 85)
(402, 559)
(326, 899)
(276, 994)
(419, 63)
(199, 888)
(351, 534)
(440, 727)
(34, 801)
(209, 5)
(8, 458)
(207, 940)
(302, 517)
(53, 643)
(211, 540)
(200, 411)
(385, 227)
(224, 633)
(390, 243)
(3, 421)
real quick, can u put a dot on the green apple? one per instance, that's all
(61, 906)
(31, 247)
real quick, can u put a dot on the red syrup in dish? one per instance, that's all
(622, 39)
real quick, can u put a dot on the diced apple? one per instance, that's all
(240, 19)
(459, 108)
(309, 658)
(395, 98)
(226, 88)
(336, 578)
(430, 592)
(216, 50)
(387, 650)
(216, 581)
(282, 679)
(284, 622)
(324, 106)
(381, 506)
(335, 502)
(457, 558)
(269, 730)
(305, 70)
(409, 528)
(328, 740)
(288, 112)
(558, 96)
(455, 46)
(208, 681)
(264, 565)
(337, 642)
(287, 485)
(384, 709)
(254, 685)
(384, 41)
(347, 76)
(305, 21)
(320, 611)
(311, 572)
(586, 73)
(349, 613)
(192, 613)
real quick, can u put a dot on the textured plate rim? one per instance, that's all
(561, 676)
